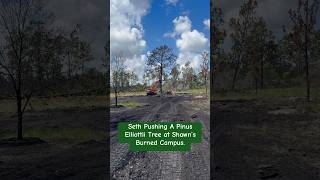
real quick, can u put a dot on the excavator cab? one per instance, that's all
(153, 90)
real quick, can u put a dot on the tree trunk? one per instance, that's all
(306, 53)
(261, 74)
(160, 80)
(116, 97)
(256, 82)
(211, 77)
(19, 111)
(206, 83)
(82, 67)
(307, 77)
(307, 71)
(69, 66)
(206, 86)
(235, 77)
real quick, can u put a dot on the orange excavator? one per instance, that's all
(153, 90)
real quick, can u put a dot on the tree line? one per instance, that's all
(160, 66)
(38, 58)
(257, 58)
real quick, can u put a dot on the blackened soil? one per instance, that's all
(35, 158)
(252, 142)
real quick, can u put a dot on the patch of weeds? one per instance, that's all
(74, 134)
(314, 107)
(194, 91)
(266, 95)
(125, 94)
(131, 104)
(41, 104)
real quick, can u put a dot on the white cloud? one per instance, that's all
(182, 24)
(127, 33)
(172, 2)
(128, 41)
(170, 35)
(126, 30)
(137, 65)
(190, 43)
(206, 22)
(194, 58)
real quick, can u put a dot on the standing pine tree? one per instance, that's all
(161, 58)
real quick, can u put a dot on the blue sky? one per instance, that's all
(139, 26)
(159, 19)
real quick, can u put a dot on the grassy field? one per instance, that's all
(40, 104)
(194, 91)
(49, 134)
(131, 104)
(274, 95)
(126, 94)
(267, 94)
(143, 93)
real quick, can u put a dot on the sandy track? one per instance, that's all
(160, 165)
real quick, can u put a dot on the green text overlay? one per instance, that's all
(160, 136)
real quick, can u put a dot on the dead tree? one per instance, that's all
(205, 68)
(117, 70)
(15, 16)
(304, 21)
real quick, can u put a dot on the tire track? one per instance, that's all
(120, 156)
(161, 165)
(131, 164)
(171, 162)
(197, 161)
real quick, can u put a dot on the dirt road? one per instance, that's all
(257, 140)
(160, 165)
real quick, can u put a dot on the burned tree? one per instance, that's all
(15, 63)
(205, 68)
(218, 34)
(261, 42)
(241, 28)
(304, 21)
(161, 58)
(117, 73)
(256, 50)
(175, 76)
(187, 74)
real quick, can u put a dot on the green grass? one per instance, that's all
(143, 93)
(195, 91)
(125, 94)
(49, 134)
(131, 104)
(40, 104)
(273, 95)
(314, 107)
(231, 96)
(267, 94)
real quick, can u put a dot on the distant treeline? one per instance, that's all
(173, 76)
(40, 59)
(256, 58)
